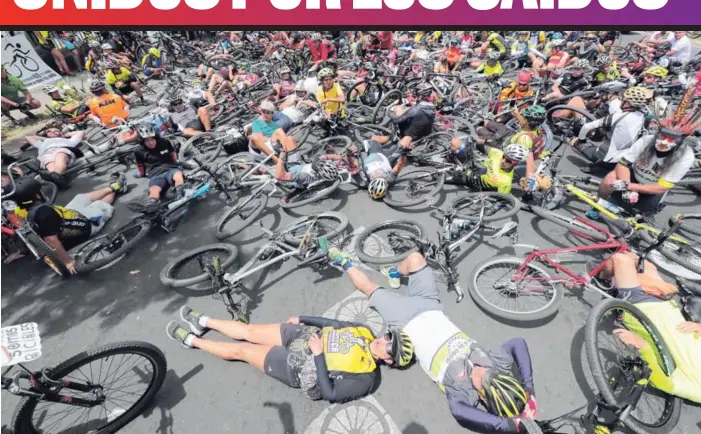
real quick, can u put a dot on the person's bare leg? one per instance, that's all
(265, 334)
(154, 191)
(412, 263)
(604, 187)
(101, 194)
(253, 354)
(625, 271)
(259, 141)
(204, 118)
(178, 178)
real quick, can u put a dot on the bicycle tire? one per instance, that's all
(47, 254)
(376, 130)
(372, 258)
(167, 272)
(603, 380)
(686, 228)
(258, 202)
(300, 133)
(550, 309)
(338, 144)
(233, 167)
(49, 190)
(675, 254)
(92, 245)
(209, 157)
(394, 93)
(515, 206)
(551, 112)
(530, 426)
(363, 97)
(324, 192)
(429, 146)
(329, 215)
(22, 418)
(416, 172)
(568, 223)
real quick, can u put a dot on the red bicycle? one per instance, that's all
(519, 289)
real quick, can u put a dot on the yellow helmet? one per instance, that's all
(522, 139)
(155, 52)
(504, 394)
(657, 71)
(402, 347)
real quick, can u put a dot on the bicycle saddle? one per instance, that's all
(619, 227)
(688, 286)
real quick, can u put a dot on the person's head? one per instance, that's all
(679, 35)
(493, 58)
(394, 348)
(285, 73)
(53, 91)
(300, 91)
(107, 48)
(113, 66)
(155, 52)
(423, 91)
(115, 36)
(147, 134)
(556, 45)
(97, 88)
(377, 188)
(534, 115)
(516, 152)
(315, 37)
(603, 63)
(52, 133)
(503, 394)
(176, 104)
(523, 36)
(557, 36)
(267, 109)
(325, 169)
(27, 191)
(454, 42)
(331, 63)
(484, 34)
(654, 74)
(326, 77)
(637, 97)
(524, 80)
(579, 67)
(590, 38)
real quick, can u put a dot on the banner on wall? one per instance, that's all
(21, 60)
(352, 12)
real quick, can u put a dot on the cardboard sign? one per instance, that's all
(20, 343)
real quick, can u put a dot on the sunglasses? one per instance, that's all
(266, 112)
(523, 84)
(389, 338)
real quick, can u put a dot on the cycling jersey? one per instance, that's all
(497, 42)
(648, 169)
(521, 49)
(452, 54)
(112, 78)
(416, 122)
(496, 177)
(108, 106)
(71, 227)
(537, 138)
(570, 84)
(154, 161)
(378, 162)
(489, 71)
(336, 91)
(612, 74)
(302, 175)
(64, 101)
(513, 92)
(151, 61)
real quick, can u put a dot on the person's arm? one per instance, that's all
(589, 126)
(341, 95)
(530, 164)
(75, 138)
(408, 114)
(55, 243)
(349, 387)
(481, 67)
(399, 165)
(478, 420)
(34, 140)
(70, 108)
(517, 348)
(9, 102)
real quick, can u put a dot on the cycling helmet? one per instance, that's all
(93, 44)
(454, 42)
(49, 88)
(326, 72)
(377, 188)
(315, 36)
(285, 70)
(664, 47)
(423, 89)
(524, 33)
(557, 43)
(518, 151)
(524, 77)
(638, 96)
(175, 100)
(299, 87)
(97, 87)
(581, 64)
(657, 71)
(155, 52)
(326, 169)
(504, 394)
(494, 55)
(27, 192)
(534, 114)
(402, 347)
(557, 36)
(145, 131)
(602, 61)
(106, 46)
(613, 87)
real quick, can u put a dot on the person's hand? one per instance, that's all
(532, 182)
(480, 140)
(292, 320)
(316, 345)
(631, 197)
(323, 101)
(353, 149)
(529, 412)
(119, 84)
(689, 327)
(630, 338)
(70, 266)
(619, 185)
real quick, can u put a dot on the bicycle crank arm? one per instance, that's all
(459, 291)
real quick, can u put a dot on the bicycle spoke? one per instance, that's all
(507, 289)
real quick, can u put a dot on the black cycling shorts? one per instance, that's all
(277, 362)
(195, 124)
(647, 203)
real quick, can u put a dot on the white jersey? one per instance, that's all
(650, 172)
(682, 48)
(628, 127)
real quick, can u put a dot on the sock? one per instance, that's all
(202, 320)
(188, 339)
(347, 265)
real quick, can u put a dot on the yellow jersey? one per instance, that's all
(489, 71)
(336, 91)
(111, 78)
(496, 177)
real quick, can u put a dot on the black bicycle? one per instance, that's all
(96, 391)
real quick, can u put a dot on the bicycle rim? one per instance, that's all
(240, 216)
(499, 287)
(186, 270)
(611, 362)
(414, 187)
(109, 248)
(328, 224)
(497, 206)
(388, 242)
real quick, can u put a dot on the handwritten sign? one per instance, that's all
(20, 343)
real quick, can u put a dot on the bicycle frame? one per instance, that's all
(43, 388)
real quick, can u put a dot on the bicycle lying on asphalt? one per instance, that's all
(96, 391)
(306, 238)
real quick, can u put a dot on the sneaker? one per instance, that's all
(392, 275)
(178, 333)
(193, 318)
(120, 184)
(339, 257)
(149, 206)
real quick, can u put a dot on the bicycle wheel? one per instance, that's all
(49, 190)
(389, 100)
(500, 288)
(370, 96)
(205, 146)
(185, 270)
(300, 133)
(314, 192)
(564, 126)
(388, 243)
(140, 365)
(47, 254)
(240, 216)
(101, 251)
(365, 132)
(569, 223)
(613, 364)
(686, 255)
(433, 144)
(331, 145)
(233, 168)
(327, 224)
(355, 417)
(414, 186)
(497, 206)
(691, 223)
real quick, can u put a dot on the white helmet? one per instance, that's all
(377, 188)
(299, 87)
(93, 44)
(285, 70)
(326, 170)
(106, 46)
(516, 152)
(49, 88)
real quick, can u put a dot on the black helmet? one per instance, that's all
(27, 192)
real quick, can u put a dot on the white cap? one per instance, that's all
(267, 105)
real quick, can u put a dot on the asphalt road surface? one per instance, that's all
(204, 394)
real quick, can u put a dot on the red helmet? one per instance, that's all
(524, 77)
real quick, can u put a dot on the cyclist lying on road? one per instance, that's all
(336, 361)
(464, 370)
(189, 121)
(55, 154)
(652, 295)
(61, 227)
(266, 130)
